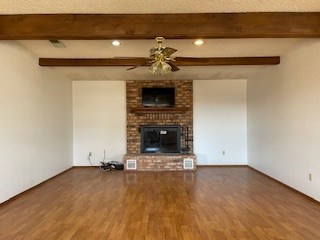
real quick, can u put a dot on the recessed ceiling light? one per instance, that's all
(116, 43)
(198, 42)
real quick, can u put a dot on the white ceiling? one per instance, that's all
(140, 48)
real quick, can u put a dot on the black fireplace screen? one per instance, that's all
(160, 139)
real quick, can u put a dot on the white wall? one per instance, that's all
(99, 121)
(220, 122)
(284, 119)
(35, 121)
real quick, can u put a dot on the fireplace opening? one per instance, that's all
(160, 139)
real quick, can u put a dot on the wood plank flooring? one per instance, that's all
(212, 203)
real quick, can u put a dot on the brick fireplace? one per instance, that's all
(180, 116)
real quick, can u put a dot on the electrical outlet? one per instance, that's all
(310, 176)
(223, 152)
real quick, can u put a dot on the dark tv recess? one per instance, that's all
(158, 97)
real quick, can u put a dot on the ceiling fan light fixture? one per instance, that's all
(160, 68)
(166, 68)
(116, 43)
(198, 42)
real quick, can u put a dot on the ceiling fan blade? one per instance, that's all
(153, 51)
(174, 68)
(136, 66)
(131, 68)
(168, 51)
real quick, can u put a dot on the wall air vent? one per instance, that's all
(57, 43)
(187, 163)
(131, 164)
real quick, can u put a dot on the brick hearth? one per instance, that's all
(160, 162)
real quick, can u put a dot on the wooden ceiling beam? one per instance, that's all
(170, 26)
(179, 61)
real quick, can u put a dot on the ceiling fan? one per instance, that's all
(160, 59)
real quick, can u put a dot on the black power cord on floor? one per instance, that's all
(106, 166)
(103, 166)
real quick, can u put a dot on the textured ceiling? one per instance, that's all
(140, 48)
(155, 6)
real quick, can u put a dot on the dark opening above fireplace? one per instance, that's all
(160, 139)
(158, 97)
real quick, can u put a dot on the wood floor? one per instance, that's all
(212, 203)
